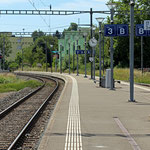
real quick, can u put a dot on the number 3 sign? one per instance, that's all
(116, 30)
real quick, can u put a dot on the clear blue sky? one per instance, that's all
(31, 23)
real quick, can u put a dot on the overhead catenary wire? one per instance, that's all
(32, 3)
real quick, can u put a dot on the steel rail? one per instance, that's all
(35, 116)
(21, 100)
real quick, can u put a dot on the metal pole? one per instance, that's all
(55, 64)
(51, 58)
(91, 25)
(22, 53)
(46, 54)
(100, 54)
(103, 54)
(85, 76)
(3, 53)
(73, 55)
(142, 53)
(0, 60)
(69, 57)
(60, 59)
(111, 53)
(132, 51)
(93, 49)
(77, 60)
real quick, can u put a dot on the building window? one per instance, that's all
(19, 47)
(79, 47)
(19, 40)
(67, 52)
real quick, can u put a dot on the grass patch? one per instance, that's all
(119, 73)
(12, 83)
(123, 74)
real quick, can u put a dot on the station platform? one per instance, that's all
(88, 117)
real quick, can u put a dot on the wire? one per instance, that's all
(43, 3)
(37, 10)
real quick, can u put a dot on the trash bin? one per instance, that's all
(108, 79)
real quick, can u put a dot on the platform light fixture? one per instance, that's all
(100, 20)
(112, 7)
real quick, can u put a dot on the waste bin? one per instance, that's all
(108, 79)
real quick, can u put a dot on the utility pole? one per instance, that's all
(60, 59)
(91, 26)
(132, 51)
(77, 60)
(3, 57)
(69, 57)
(46, 55)
(142, 53)
(73, 55)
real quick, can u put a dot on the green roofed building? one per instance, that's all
(75, 39)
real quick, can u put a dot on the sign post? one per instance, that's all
(93, 43)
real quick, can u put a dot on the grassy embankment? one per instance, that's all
(119, 73)
(9, 82)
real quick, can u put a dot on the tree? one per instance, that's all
(36, 34)
(73, 26)
(5, 44)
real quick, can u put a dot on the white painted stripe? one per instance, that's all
(127, 134)
(73, 132)
(137, 86)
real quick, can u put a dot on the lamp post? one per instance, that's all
(132, 51)
(77, 61)
(3, 53)
(100, 20)
(85, 35)
(60, 58)
(111, 6)
(69, 55)
(142, 53)
(103, 52)
(73, 55)
(51, 58)
(93, 55)
(22, 49)
(46, 55)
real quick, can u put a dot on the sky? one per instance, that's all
(12, 23)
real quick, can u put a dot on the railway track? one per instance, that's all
(18, 121)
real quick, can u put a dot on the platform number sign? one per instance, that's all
(146, 24)
(122, 30)
(140, 30)
(109, 30)
(116, 30)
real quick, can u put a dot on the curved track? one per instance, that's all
(16, 120)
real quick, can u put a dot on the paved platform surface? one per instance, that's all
(91, 118)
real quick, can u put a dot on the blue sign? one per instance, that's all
(83, 51)
(122, 30)
(55, 52)
(116, 30)
(88, 51)
(140, 30)
(79, 51)
(109, 30)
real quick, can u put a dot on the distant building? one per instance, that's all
(17, 43)
(75, 39)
